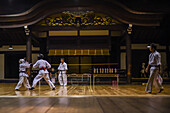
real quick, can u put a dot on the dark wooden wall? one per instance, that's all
(12, 64)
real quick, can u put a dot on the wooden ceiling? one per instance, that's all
(18, 14)
(48, 7)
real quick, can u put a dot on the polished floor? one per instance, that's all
(83, 99)
(8, 89)
(85, 105)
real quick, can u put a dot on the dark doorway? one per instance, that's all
(12, 64)
(139, 57)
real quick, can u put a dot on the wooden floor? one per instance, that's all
(8, 89)
(85, 105)
(83, 99)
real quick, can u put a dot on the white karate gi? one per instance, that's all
(53, 80)
(160, 80)
(62, 77)
(154, 62)
(42, 73)
(23, 76)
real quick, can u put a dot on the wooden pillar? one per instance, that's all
(110, 49)
(29, 48)
(78, 39)
(128, 56)
(167, 58)
(78, 47)
(167, 35)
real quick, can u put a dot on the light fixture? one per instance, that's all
(10, 47)
(27, 31)
(78, 21)
(129, 30)
(130, 25)
(148, 47)
(25, 27)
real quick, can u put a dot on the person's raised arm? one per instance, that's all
(25, 65)
(48, 65)
(147, 68)
(36, 65)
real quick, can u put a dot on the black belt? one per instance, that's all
(22, 71)
(61, 70)
(154, 66)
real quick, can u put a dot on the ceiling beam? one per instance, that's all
(58, 28)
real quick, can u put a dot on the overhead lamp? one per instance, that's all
(129, 30)
(27, 31)
(25, 27)
(10, 47)
(130, 25)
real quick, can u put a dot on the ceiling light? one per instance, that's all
(10, 47)
(25, 27)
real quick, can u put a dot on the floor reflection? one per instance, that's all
(82, 90)
(62, 91)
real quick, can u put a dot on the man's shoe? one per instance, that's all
(53, 89)
(17, 89)
(32, 88)
(148, 92)
(160, 90)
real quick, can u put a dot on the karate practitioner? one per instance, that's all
(154, 65)
(43, 65)
(62, 70)
(23, 65)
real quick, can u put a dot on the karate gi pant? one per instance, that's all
(23, 80)
(154, 73)
(53, 80)
(42, 74)
(160, 80)
(62, 77)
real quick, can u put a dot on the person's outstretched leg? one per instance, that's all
(150, 81)
(26, 83)
(158, 84)
(21, 79)
(47, 79)
(36, 79)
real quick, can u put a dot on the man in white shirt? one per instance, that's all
(43, 65)
(23, 65)
(154, 65)
(62, 70)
